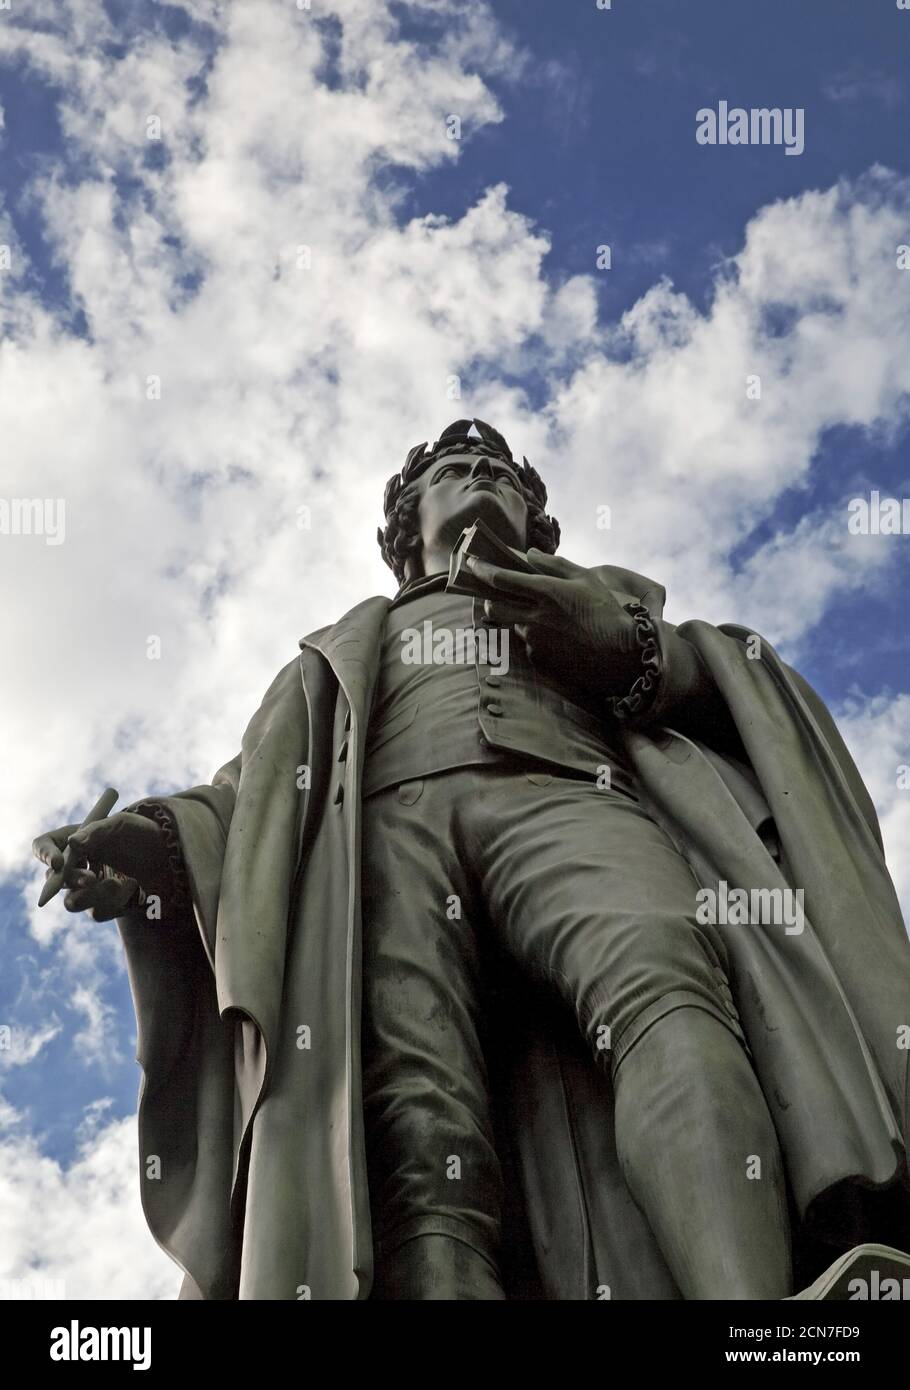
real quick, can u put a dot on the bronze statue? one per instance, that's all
(530, 947)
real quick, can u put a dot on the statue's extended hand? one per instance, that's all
(569, 620)
(129, 846)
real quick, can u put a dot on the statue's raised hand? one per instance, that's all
(108, 861)
(568, 618)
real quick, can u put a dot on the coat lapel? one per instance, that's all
(351, 647)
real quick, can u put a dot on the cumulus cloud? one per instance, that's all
(77, 1232)
(253, 332)
(248, 267)
(660, 425)
(877, 732)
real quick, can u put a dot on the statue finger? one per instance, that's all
(523, 633)
(56, 878)
(557, 565)
(509, 614)
(49, 853)
(111, 898)
(49, 847)
(75, 864)
(80, 877)
(509, 581)
(80, 899)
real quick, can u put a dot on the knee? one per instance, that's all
(647, 985)
(687, 1060)
(692, 1016)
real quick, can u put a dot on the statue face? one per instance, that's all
(460, 488)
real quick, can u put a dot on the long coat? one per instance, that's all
(252, 1163)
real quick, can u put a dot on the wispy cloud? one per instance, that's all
(866, 84)
(96, 1040)
(20, 1046)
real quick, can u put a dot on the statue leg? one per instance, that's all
(435, 1180)
(436, 1267)
(691, 1121)
(592, 897)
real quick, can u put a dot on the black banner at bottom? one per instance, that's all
(262, 1340)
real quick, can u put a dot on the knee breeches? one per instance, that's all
(581, 889)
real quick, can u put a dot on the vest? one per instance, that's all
(454, 690)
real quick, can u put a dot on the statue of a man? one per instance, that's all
(696, 1071)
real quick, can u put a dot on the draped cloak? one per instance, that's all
(248, 1007)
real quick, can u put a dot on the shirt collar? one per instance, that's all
(423, 584)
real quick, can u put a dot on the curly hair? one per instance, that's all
(400, 538)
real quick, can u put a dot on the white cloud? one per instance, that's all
(877, 731)
(181, 512)
(82, 1225)
(284, 387)
(788, 583)
(814, 306)
(26, 1043)
(96, 1040)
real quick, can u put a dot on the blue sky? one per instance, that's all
(595, 145)
(609, 156)
(611, 145)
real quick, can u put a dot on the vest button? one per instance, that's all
(494, 680)
(492, 708)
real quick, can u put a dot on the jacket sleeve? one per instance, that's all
(687, 698)
(195, 824)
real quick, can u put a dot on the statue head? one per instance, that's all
(442, 490)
